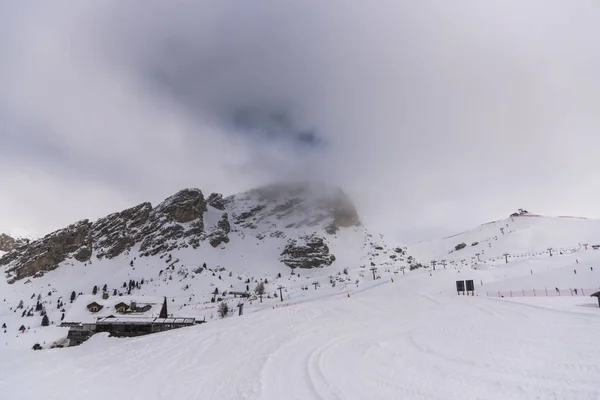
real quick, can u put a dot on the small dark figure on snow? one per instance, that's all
(575, 271)
(575, 290)
(592, 269)
(557, 291)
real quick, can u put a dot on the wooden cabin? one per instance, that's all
(121, 308)
(94, 307)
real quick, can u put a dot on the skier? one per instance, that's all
(575, 290)
(577, 261)
(575, 271)
(557, 291)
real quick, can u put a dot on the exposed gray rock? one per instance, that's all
(178, 222)
(7, 243)
(219, 235)
(307, 252)
(157, 230)
(216, 200)
(47, 253)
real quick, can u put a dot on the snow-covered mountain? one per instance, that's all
(194, 249)
(347, 300)
(517, 237)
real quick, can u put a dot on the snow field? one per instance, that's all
(398, 340)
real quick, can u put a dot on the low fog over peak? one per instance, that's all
(432, 117)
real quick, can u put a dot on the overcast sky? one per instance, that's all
(433, 116)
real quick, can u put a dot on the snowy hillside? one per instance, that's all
(412, 338)
(282, 235)
(362, 324)
(519, 237)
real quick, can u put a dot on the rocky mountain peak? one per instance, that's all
(7, 243)
(300, 215)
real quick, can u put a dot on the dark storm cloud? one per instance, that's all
(433, 116)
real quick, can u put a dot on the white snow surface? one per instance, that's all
(404, 340)
(401, 336)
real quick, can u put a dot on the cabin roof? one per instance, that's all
(79, 313)
(144, 320)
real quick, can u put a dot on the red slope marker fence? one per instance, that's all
(546, 292)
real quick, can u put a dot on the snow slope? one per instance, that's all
(263, 221)
(405, 335)
(524, 236)
(410, 339)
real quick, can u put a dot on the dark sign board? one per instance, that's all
(460, 286)
(470, 286)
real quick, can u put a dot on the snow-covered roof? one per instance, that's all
(145, 320)
(80, 313)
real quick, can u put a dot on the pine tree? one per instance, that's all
(104, 288)
(73, 296)
(260, 289)
(45, 321)
(95, 290)
(223, 309)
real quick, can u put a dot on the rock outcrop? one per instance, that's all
(299, 216)
(307, 252)
(216, 200)
(219, 234)
(7, 243)
(47, 253)
(175, 223)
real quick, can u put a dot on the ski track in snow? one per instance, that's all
(390, 342)
(413, 338)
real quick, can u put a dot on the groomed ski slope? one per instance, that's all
(410, 339)
(523, 236)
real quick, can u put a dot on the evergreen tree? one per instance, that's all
(260, 289)
(104, 288)
(73, 296)
(45, 321)
(223, 309)
(95, 290)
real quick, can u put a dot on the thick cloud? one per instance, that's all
(433, 117)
